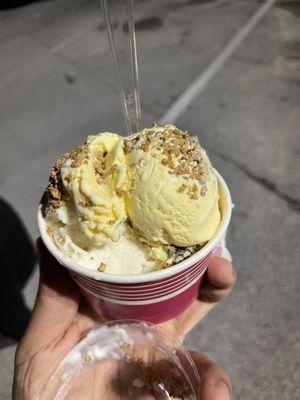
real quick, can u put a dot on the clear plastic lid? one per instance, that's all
(125, 360)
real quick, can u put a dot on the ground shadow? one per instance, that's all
(17, 261)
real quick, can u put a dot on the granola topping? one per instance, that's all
(178, 254)
(55, 191)
(176, 150)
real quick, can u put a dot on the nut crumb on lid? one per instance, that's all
(101, 267)
(163, 373)
(137, 382)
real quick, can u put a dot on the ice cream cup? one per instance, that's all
(154, 297)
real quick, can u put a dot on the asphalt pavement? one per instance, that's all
(57, 86)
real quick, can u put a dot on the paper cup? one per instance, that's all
(154, 297)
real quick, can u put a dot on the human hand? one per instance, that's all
(61, 318)
(216, 285)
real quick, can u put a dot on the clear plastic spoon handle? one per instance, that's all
(125, 59)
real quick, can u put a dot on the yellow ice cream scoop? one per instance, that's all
(94, 176)
(173, 196)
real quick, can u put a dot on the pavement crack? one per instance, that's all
(292, 202)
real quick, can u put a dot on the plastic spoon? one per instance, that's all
(126, 69)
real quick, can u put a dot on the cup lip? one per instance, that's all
(149, 276)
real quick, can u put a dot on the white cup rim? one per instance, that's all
(149, 276)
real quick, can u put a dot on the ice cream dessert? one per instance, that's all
(132, 205)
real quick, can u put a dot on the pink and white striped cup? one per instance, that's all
(154, 297)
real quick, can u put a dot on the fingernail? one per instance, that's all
(222, 386)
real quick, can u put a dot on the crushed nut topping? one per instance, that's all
(176, 150)
(79, 155)
(182, 188)
(178, 254)
(203, 190)
(52, 197)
